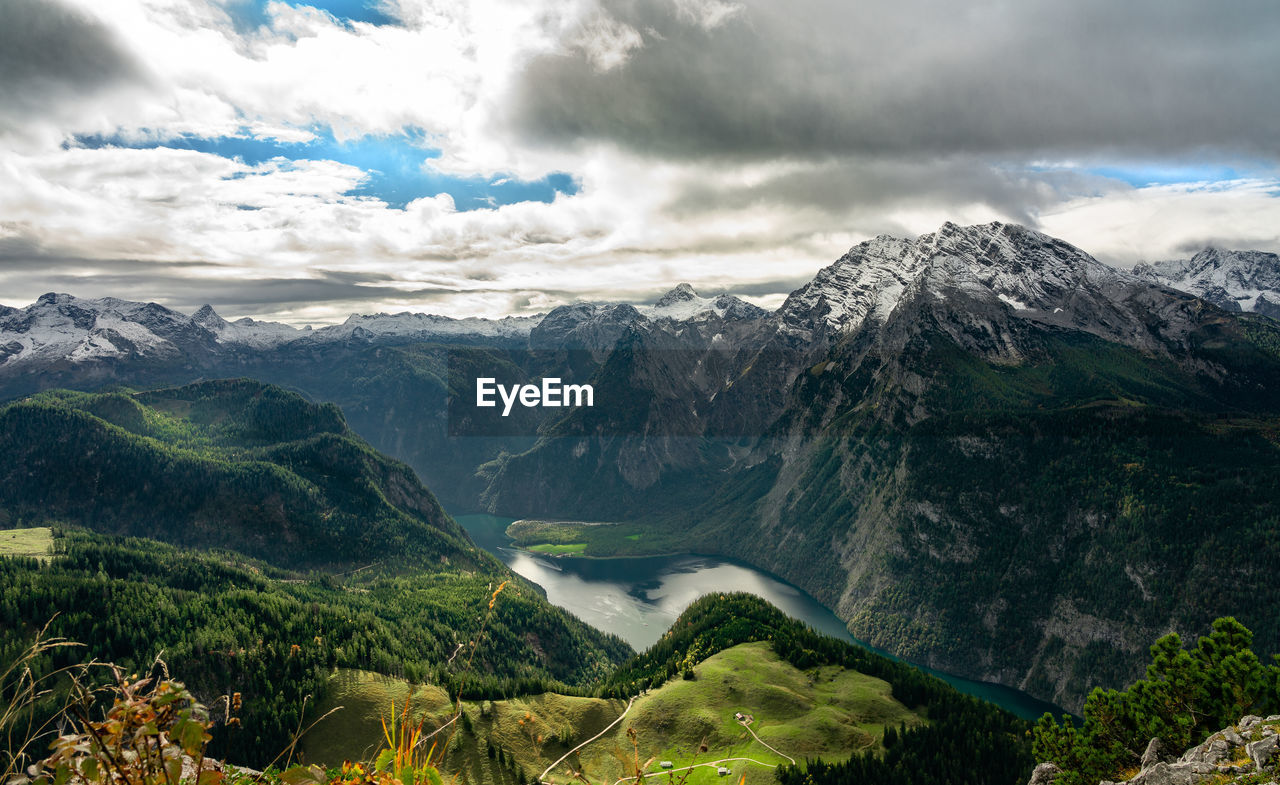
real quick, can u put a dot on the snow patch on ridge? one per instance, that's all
(1015, 304)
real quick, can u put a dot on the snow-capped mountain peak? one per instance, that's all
(683, 303)
(1232, 280)
(245, 331)
(61, 328)
(682, 293)
(978, 278)
(424, 326)
(209, 319)
(64, 327)
(1027, 271)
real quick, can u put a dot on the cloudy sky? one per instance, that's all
(300, 160)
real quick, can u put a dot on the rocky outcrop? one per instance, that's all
(1245, 754)
(1045, 774)
(1155, 749)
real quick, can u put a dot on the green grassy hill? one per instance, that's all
(826, 711)
(810, 697)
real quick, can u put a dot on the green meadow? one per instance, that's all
(33, 542)
(826, 711)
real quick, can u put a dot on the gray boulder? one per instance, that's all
(1044, 774)
(1214, 750)
(1174, 774)
(1154, 753)
(1262, 751)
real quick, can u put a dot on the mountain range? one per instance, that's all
(1232, 280)
(61, 328)
(985, 449)
(869, 281)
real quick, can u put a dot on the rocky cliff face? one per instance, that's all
(950, 438)
(856, 335)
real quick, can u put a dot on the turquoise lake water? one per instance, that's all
(637, 599)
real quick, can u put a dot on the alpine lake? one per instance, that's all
(638, 598)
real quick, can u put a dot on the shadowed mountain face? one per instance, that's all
(874, 336)
(985, 449)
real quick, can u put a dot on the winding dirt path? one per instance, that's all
(543, 775)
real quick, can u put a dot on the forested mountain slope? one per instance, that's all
(231, 624)
(289, 547)
(233, 464)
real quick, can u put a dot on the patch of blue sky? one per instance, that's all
(1143, 175)
(249, 15)
(397, 168)
(1146, 174)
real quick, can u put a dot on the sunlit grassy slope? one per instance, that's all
(827, 711)
(33, 542)
(559, 550)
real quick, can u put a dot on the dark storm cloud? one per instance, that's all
(846, 187)
(177, 290)
(23, 254)
(812, 78)
(778, 286)
(29, 267)
(1236, 242)
(295, 291)
(170, 283)
(51, 54)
